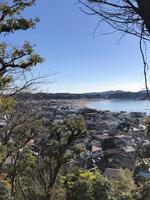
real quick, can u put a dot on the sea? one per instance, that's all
(117, 105)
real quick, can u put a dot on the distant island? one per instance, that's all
(118, 94)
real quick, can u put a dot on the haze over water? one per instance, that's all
(122, 105)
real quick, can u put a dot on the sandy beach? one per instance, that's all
(77, 104)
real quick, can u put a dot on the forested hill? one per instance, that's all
(95, 95)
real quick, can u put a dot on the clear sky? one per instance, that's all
(82, 63)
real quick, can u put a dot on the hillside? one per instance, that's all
(118, 94)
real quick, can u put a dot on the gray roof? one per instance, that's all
(112, 172)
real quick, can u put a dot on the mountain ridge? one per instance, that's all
(112, 94)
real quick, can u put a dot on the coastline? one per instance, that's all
(113, 105)
(79, 104)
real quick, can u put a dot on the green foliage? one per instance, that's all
(6, 105)
(14, 59)
(26, 183)
(11, 19)
(57, 149)
(3, 153)
(58, 193)
(147, 122)
(4, 189)
(145, 191)
(31, 175)
(124, 186)
(35, 177)
(79, 185)
(22, 175)
(21, 127)
(93, 185)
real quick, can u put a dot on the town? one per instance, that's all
(114, 140)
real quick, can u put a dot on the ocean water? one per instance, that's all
(117, 105)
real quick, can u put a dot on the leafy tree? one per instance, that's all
(14, 61)
(15, 66)
(93, 185)
(21, 129)
(147, 122)
(56, 150)
(26, 184)
(4, 191)
(78, 185)
(35, 176)
(145, 191)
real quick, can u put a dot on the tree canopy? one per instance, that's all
(16, 61)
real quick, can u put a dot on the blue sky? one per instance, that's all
(82, 63)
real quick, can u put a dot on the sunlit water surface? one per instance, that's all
(122, 105)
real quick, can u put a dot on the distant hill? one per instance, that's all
(118, 94)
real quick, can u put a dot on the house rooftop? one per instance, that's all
(128, 149)
(101, 137)
(93, 148)
(120, 136)
(111, 172)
